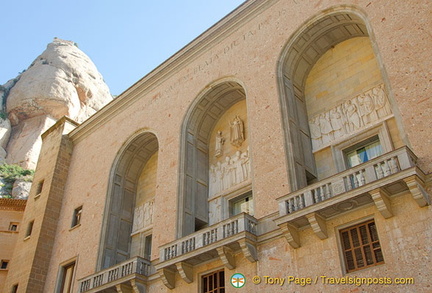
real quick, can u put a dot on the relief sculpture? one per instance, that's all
(143, 216)
(237, 132)
(220, 140)
(349, 117)
(233, 170)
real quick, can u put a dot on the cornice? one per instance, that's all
(12, 204)
(222, 29)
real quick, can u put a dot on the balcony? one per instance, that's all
(221, 240)
(375, 181)
(131, 274)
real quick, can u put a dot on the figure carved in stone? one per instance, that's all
(237, 131)
(148, 213)
(336, 122)
(234, 170)
(381, 104)
(353, 115)
(237, 167)
(349, 116)
(143, 216)
(226, 173)
(315, 131)
(326, 128)
(220, 140)
(245, 161)
(368, 108)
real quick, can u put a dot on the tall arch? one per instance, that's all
(316, 37)
(199, 122)
(120, 205)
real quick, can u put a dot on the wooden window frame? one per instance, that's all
(373, 245)
(208, 282)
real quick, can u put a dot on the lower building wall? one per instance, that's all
(11, 212)
(404, 240)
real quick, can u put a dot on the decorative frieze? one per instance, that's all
(232, 171)
(351, 116)
(143, 216)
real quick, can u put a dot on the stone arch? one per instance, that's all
(306, 46)
(197, 127)
(120, 204)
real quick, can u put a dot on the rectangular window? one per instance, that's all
(77, 216)
(363, 152)
(4, 264)
(13, 226)
(66, 278)
(148, 247)
(242, 204)
(14, 288)
(29, 229)
(361, 247)
(214, 282)
(39, 187)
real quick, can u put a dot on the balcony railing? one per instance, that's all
(136, 267)
(371, 171)
(205, 237)
(372, 182)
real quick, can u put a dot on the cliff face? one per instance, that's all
(62, 81)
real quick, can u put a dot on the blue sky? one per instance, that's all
(126, 39)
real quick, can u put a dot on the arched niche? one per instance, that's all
(199, 123)
(302, 52)
(125, 177)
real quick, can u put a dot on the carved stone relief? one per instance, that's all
(220, 140)
(349, 117)
(143, 216)
(237, 136)
(232, 171)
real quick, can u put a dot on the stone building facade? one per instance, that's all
(287, 148)
(11, 213)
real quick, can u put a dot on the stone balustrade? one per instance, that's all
(110, 277)
(222, 230)
(375, 181)
(373, 170)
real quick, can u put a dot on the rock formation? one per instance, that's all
(62, 81)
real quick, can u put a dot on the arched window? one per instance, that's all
(215, 158)
(128, 215)
(334, 96)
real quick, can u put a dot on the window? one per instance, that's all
(148, 247)
(363, 152)
(66, 277)
(242, 204)
(4, 264)
(361, 247)
(39, 187)
(214, 282)
(13, 226)
(29, 229)
(77, 216)
(14, 288)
